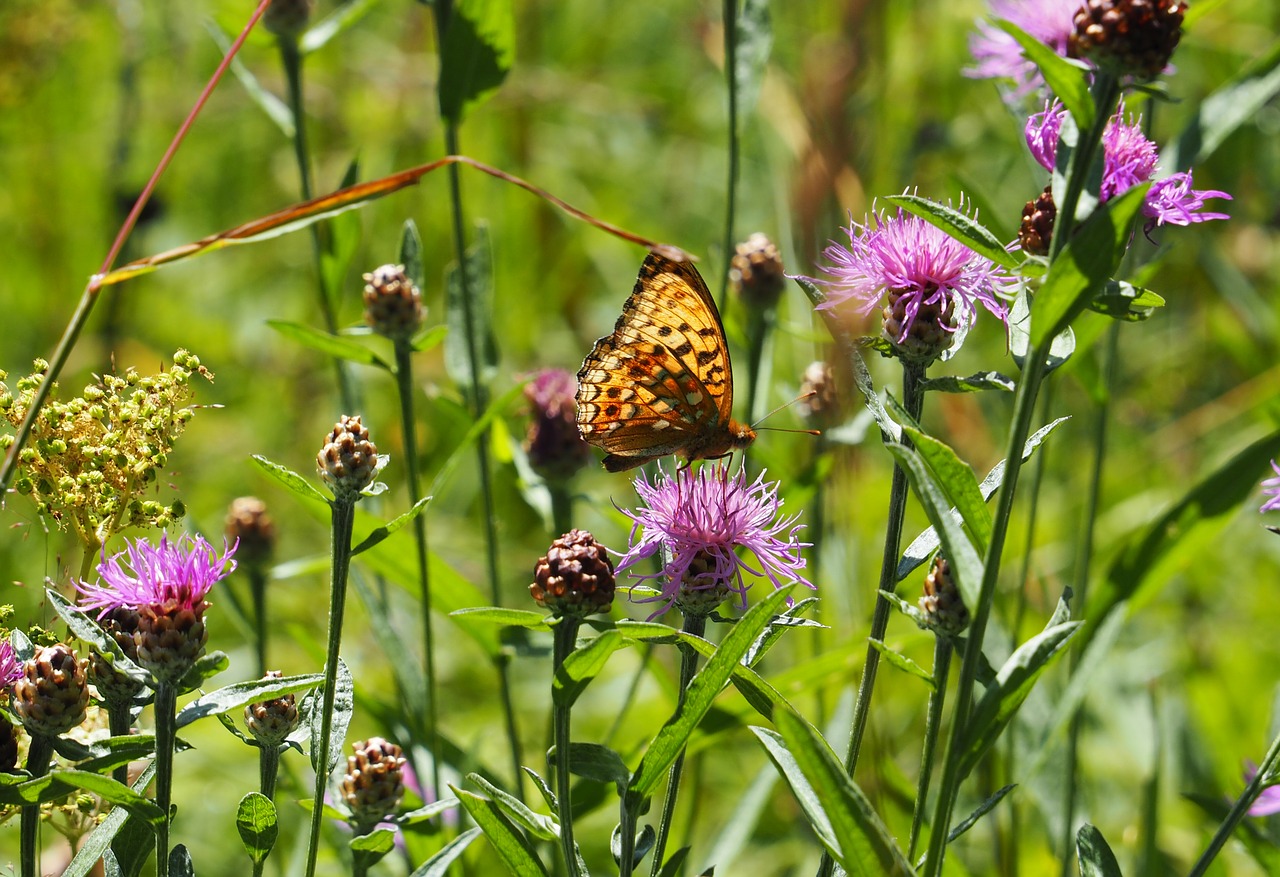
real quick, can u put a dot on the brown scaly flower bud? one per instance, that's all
(392, 302)
(288, 18)
(348, 462)
(575, 577)
(113, 686)
(171, 638)
(932, 332)
(374, 783)
(271, 721)
(555, 447)
(756, 272)
(1036, 230)
(8, 746)
(1128, 37)
(249, 524)
(52, 696)
(820, 402)
(943, 608)
(700, 596)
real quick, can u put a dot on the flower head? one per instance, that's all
(922, 272)
(10, 667)
(143, 575)
(1268, 801)
(997, 55)
(1129, 159)
(555, 447)
(1271, 490)
(700, 521)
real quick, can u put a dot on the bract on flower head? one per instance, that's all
(145, 574)
(706, 517)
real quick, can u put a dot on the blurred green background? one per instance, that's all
(620, 110)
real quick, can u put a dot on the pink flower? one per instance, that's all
(149, 575)
(708, 516)
(1271, 490)
(997, 55)
(10, 667)
(1268, 800)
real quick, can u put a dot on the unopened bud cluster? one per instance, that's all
(348, 461)
(271, 721)
(1128, 37)
(90, 460)
(52, 696)
(700, 593)
(820, 401)
(120, 623)
(932, 331)
(944, 610)
(554, 445)
(575, 578)
(251, 529)
(392, 302)
(756, 272)
(1036, 229)
(170, 638)
(374, 783)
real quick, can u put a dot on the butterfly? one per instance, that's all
(661, 383)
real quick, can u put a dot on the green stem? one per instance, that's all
(566, 633)
(343, 521)
(268, 770)
(730, 18)
(1106, 94)
(258, 593)
(39, 754)
(119, 724)
(561, 506)
(759, 324)
(1241, 807)
(932, 723)
(166, 710)
(695, 625)
(404, 385)
(1080, 587)
(1023, 408)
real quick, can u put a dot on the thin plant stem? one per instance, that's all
(268, 770)
(343, 521)
(759, 326)
(818, 520)
(561, 505)
(565, 637)
(258, 593)
(695, 625)
(1106, 94)
(166, 709)
(932, 724)
(119, 724)
(1080, 586)
(730, 18)
(39, 754)
(408, 421)
(1261, 779)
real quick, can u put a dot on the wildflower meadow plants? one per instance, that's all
(999, 616)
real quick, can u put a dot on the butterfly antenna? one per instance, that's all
(799, 398)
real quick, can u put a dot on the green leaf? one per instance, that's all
(457, 353)
(1060, 351)
(59, 783)
(337, 22)
(438, 865)
(971, 384)
(180, 862)
(428, 337)
(369, 849)
(1127, 302)
(207, 666)
(599, 763)
(241, 694)
(1011, 686)
(257, 823)
(753, 38)
(1085, 265)
(582, 666)
(132, 846)
(1096, 858)
(478, 428)
(340, 245)
(958, 225)
(343, 709)
(507, 841)
(290, 479)
(539, 825)
(411, 254)
(330, 345)
(838, 811)
(136, 842)
(1221, 114)
(477, 49)
(980, 811)
(1067, 79)
(958, 484)
(702, 691)
(505, 617)
(116, 751)
(272, 107)
(903, 663)
(382, 532)
(85, 629)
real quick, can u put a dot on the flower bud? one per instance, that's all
(575, 577)
(943, 608)
(553, 443)
(249, 524)
(171, 637)
(931, 331)
(756, 272)
(392, 302)
(1036, 230)
(348, 462)
(820, 402)
(51, 697)
(120, 623)
(288, 18)
(374, 783)
(1128, 37)
(271, 721)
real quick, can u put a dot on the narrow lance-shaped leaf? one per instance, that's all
(89, 631)
(98, 843)
(539, 825)
(380, 533)
(290, 479)
(507, 841)
(1068, 80)
(582, 666)
(958, 483)
(1096, 858)
(411, 254)
(438, 865)
(326, 343)
(241, 694)
(477, 49)
(958, 225)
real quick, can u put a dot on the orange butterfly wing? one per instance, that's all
(662, 382)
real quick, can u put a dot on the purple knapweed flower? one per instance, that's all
(10, 667)
(180, 572)
(918, 265)
(997, 55)
(1129, 159)
(1268, 801)
(701, 520)
(1271, 490)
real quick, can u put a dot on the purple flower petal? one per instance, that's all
(1271, 490)
(145, 574)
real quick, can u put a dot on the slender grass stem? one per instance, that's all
(730, 18)
(343, 522)
(408, 421)
(697, 626)
(932, 724)
(39, 754)
(1264, 777)
(566, 634)
(166, 709)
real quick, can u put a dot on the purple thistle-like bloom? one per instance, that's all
(1129, 159)
(706, 517)
(1268, 801)
(144, 574)
(997, 55)
(1271, 490)
(10, 667)
(906, 255)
